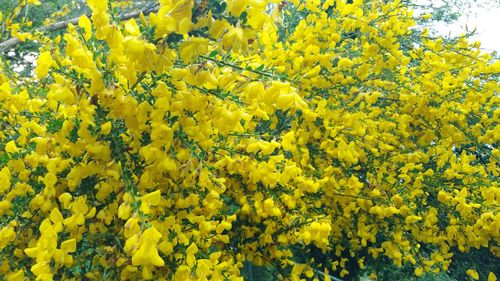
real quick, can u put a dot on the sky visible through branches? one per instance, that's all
(483, 15)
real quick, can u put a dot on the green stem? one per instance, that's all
(224, 63)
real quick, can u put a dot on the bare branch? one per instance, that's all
(11, 42)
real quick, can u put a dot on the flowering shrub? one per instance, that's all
(311, 136)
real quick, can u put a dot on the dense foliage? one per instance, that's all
(310, 138)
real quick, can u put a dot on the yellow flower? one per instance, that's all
(412, 219)
(236, 7)
(147, 252)
(426, 16)
(132, 28)
(106, 128)
(43, 64)
(191, 49)
(16, 276)
(5, 177)
(57, 219)
(234, 40)
(419, 271)
(285, 101)
(7, 235)
(11, 147)
(85, 24)
(472, 273)
(98, 5)
(190, 254)
(162, 134)
(217, 28)
(61, 256)
(150, 199)
(288, 140)
(345, 63)
(313, 72)
(182, 273)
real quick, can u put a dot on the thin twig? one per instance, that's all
(224, 63)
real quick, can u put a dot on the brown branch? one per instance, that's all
(11, 42)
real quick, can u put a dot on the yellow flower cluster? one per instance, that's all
(299, 134)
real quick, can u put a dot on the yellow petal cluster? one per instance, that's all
(311, 137)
